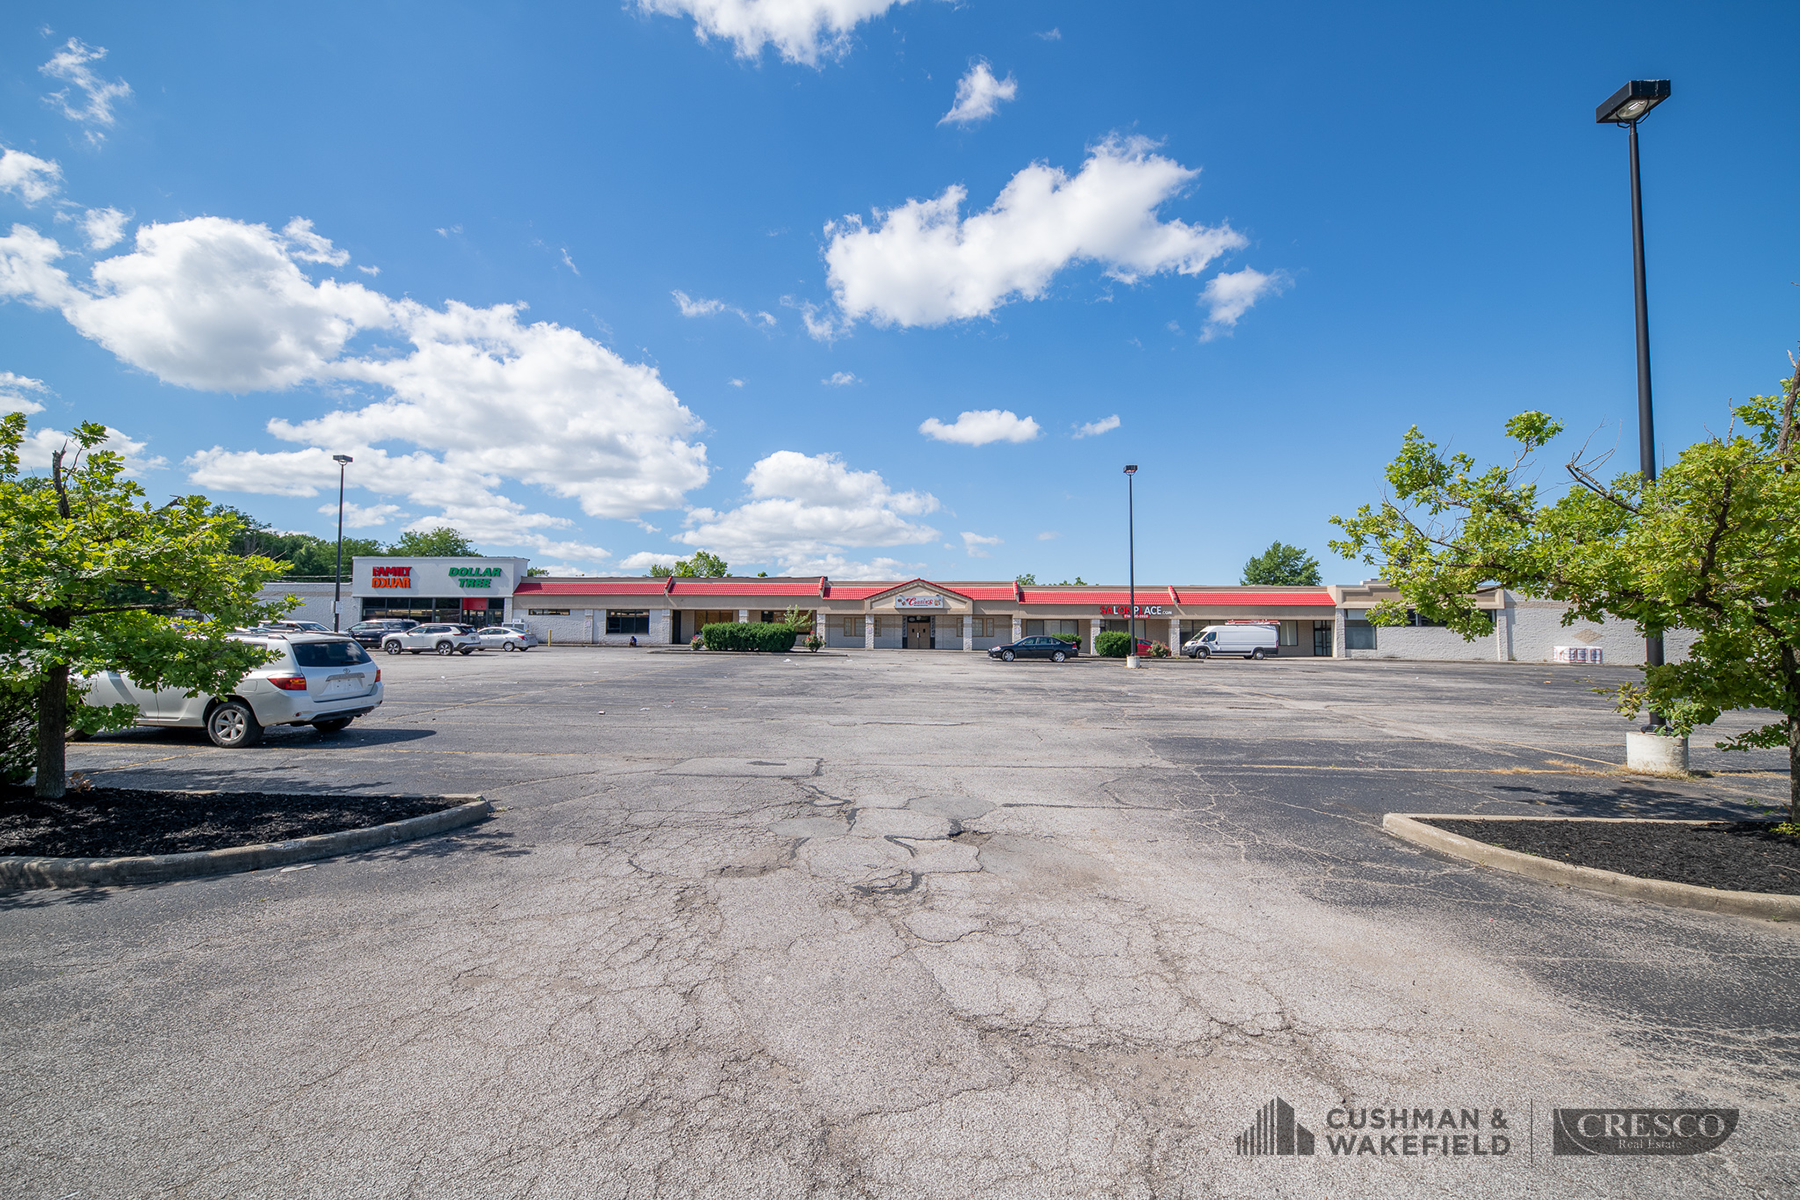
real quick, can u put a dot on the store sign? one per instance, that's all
(474, 577)
(1143, 610)
(391, 577)
(919, 602)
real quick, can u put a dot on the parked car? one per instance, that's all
(1250, 641)
(1054, 649)
(293, 627)
(324, 680)
(370, 633)
(444, 639)
(506, 637)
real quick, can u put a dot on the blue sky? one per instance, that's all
(832, 285)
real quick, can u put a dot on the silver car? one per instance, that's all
(506, 637)
(324, 680)
(443, 639)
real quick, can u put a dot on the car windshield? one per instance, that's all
(329, 654)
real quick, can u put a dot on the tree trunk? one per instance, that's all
(53, 712)
(1794, 770)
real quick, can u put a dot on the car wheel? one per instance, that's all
(335, 725)
(392, 647)
(446, 648)
(233, 725)
(1256, 654)
(1059, 656)
(509, 647)
(1006, 656)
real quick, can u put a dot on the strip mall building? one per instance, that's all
(921, 614)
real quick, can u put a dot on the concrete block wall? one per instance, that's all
(315, 602)
(1537, 629)
(1404, 641)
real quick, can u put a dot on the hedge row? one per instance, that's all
(1114, 643)
(753, 635)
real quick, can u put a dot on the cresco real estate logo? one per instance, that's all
(1647, 1131)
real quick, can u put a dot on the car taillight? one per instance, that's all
(289, 683)
(377, 674)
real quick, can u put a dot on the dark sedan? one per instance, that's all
(370, 633)
(1054, 649)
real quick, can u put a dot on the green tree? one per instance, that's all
(701, 566)
(440, 542)
(534, 572)
(1079, 582)
(1026, 580)
(92, 578)
(1282, 565)
(1712, 546)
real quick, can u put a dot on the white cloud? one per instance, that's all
(103, 227)
(14, 391)
(1230, 296)
(691, 307)
(359, 516)
(735, 382)
(643, 560)
(804, 511)
(980, 428)
(978, 95)
(924, 264)
(71, 64)
(1050, 35)
(1096, 428)
(975, 545)
(1049, 535)
(220, 305)
(570, 263)
(826, 328)
(801, 31)
(29, 177)
(299, 240)
(370, 270)
(40, 444)
(840, 379)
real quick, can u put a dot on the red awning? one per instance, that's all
(471, 604)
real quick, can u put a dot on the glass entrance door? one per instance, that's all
(1321, 639)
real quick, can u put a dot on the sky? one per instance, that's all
(877, 288)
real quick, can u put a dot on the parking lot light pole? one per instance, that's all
(1131, 654)
(1626, 107)
(337, 581)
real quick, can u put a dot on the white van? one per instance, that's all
(1251, 641)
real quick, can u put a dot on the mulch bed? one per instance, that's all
(1738, 856)
(114, 822)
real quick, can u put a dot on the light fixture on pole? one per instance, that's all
(1626, 107)
(1131, 654)
(337, 580)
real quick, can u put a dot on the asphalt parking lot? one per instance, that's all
(899, 925)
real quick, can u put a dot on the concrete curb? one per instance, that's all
(1411, 827)
(22, 871)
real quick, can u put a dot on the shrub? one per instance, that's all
(1114, 643)
(814, 642)
(696, 642)
(1158, 650)
(1074, 639)
(757, 635)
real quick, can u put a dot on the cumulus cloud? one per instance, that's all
(805, 511)
(975, 545)
(978, 95)
(29, 177)
(104, 228)
(1230, 296)
(17, 392)
(925, 264)
(1096, 428)
(361, 516)
(802, 31)
(980, 428)
(691, 307)
(840, 379)
(71, 64)
(40, 444)
(643, 560)
(221, 305)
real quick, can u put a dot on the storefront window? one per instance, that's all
(853, 627)
(547, 612)
(1359, 635)
(627, 620)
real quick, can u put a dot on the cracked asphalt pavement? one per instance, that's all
(899, 925)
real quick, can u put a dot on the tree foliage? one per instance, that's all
(1712, 546)
(701, 565)
(92, 579)
(1282, 565)
(1026, 580)
(307, 553)
(441, 542)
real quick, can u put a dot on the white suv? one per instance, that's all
(324, 680)
(445, 639)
